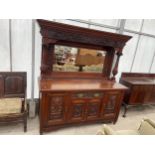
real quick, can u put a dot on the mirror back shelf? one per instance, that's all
(75, 52)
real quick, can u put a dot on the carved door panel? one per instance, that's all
(93, 109)
(111, 103)
(77, 110)
(55, 108)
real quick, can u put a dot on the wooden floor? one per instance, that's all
(132, 121)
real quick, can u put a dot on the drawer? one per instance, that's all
(88, 95)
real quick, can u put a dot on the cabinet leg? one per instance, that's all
(125, 109)
(41, 132)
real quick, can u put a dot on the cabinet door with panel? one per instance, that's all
(93, 109)
(111, 103)
(77, 110)
(140, 94)
(55, 107)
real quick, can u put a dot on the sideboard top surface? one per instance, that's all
(78, 85)
(139, 80)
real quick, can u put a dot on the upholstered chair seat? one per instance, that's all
(147, 127)
(10, 106)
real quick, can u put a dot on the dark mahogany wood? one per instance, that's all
(141, 89)
(79, 98)
(13, 84)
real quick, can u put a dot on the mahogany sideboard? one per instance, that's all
(141, 89)
(79, 96)
(68, 102)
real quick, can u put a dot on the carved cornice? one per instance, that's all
(64, 32)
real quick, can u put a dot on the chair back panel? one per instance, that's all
(12, 84)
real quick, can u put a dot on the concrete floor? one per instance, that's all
(132, 121)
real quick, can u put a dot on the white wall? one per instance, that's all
(4, 46)
(139, 52)
(21, 40)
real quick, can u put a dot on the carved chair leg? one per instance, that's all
(125, 109)
(25, 123)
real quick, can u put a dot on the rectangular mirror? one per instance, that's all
(73, 59)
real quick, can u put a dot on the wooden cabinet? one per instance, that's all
(141, 89)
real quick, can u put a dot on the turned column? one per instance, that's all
(115, 69)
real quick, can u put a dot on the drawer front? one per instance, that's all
(87, 95)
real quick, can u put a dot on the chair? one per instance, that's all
(13, 107)
(147, 127)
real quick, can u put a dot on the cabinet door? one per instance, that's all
(112, 103)
(54, 108)
(93, 109)
(77, 110)
(140, 94)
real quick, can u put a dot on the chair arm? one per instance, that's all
(146, 128)
(100, 132)
(108, 130)
(149, 121)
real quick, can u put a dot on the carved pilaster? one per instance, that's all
(47, 54)
(115, 69)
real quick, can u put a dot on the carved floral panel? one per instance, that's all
(110, 106)
(56, 107)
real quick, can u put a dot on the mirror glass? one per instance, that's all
(72, 59)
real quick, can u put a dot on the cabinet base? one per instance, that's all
(56, 127)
